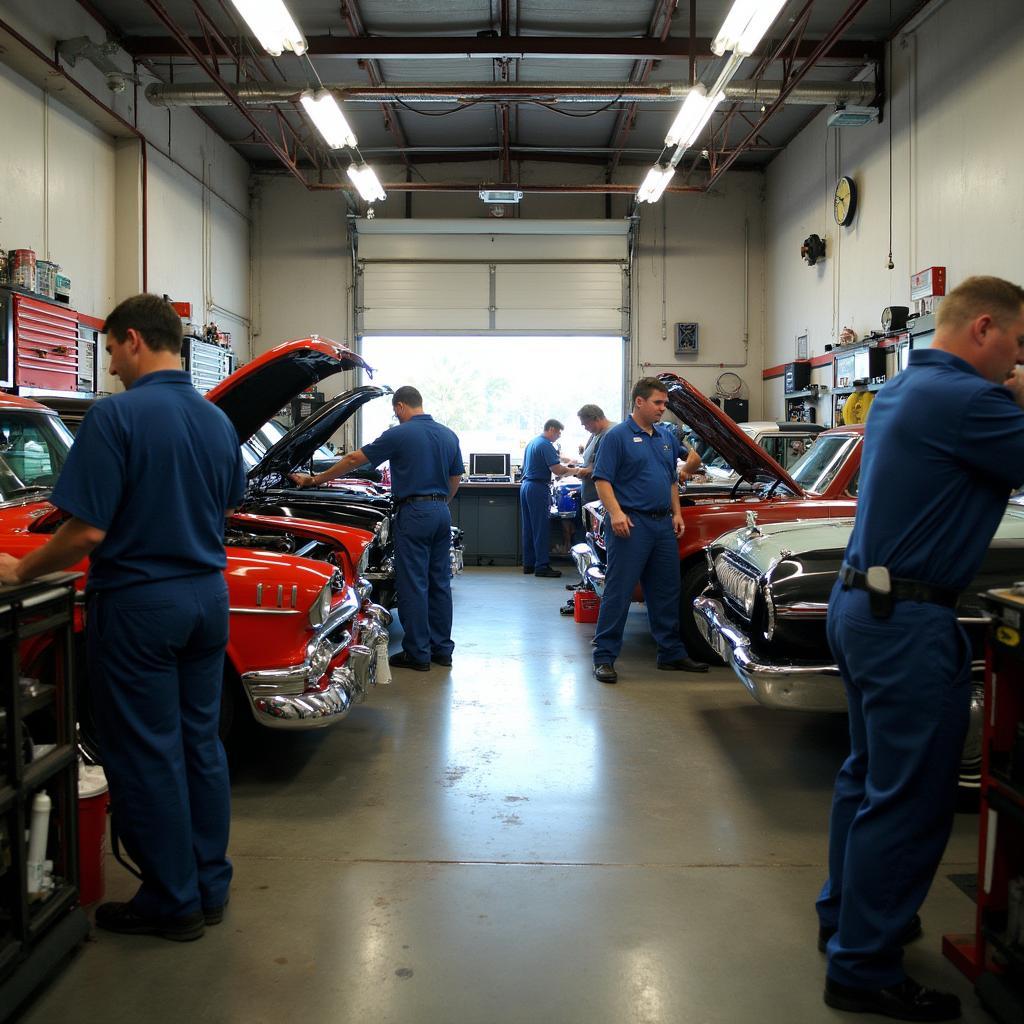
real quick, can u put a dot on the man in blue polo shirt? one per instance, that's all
(932, 492)
(540, 461)
(635, 474)
(426, 469)
(147, 485)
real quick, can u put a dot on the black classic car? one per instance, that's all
(764, 612)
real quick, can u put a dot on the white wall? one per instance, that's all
(75, 193)
(957, 148)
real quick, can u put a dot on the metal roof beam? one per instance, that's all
(456, 47)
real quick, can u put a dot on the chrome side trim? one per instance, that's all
(264, 611)
(787, 686)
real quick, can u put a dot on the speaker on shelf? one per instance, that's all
(798, 376)
(738, 409)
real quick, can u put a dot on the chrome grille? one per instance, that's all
(739, 587)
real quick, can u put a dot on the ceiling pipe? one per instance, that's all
(182, 94)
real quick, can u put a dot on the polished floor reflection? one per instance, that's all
(509, 841)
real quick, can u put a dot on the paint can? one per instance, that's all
(22, 264)
(5, 277)
(46, 277)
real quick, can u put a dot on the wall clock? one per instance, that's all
(844, 202)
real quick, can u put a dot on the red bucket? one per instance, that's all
(586, 605)
(92, 833)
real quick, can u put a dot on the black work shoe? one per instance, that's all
(605, 674)
(683, 665)
(527, 570)
(402, 660)
(911, 932)
(905, 1001)
(121, 917)
(214, 915)
(442, 659)
(553, 574)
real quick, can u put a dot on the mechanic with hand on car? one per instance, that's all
(636, 480)
(932, 492)
(426, 469)
(540, 461)
(147, 484)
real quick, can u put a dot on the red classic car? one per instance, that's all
(305, 639)
(821, 484)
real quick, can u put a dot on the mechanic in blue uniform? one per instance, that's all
(147, 483)
(540, 461)
(932, 492)
(426, 469)
(635, 474)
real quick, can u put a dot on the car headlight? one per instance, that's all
(384, 530)
(364, 561)
(321, 606)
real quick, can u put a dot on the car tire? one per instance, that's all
(693, 580)
(969, 780)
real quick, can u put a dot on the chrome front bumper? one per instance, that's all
(787, 686)
(588, 567)
(291, 698)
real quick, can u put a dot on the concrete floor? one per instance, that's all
(509, 841)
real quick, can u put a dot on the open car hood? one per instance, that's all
(297, 446)
(255, 392)
(750, 460)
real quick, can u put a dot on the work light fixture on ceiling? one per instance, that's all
(695, 113)
(324, 112)
(366, 182)
(655, 183)
(745, 26)
(272, 25)
(495, 196)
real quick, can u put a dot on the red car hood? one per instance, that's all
(750, 460)
(254, 393)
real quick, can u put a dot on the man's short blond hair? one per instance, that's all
(1002, 300)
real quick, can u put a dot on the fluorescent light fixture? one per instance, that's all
(500, 195)
(367, 182)
(695, 113)
(272, 25)
(324, 112)
(745, 26)
(655, 184)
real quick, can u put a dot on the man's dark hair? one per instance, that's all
(409, 396)
(152, 316)
(548, 424)
(645, 387)
(590, 412)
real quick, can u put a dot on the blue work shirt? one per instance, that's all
(641, 467)
(943, 447)
(423, 455)
(539, 457)
(155, 468)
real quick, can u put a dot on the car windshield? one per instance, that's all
(33, 447)
(818, 466)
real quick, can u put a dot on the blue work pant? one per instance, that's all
(423, 578)
(156, 668)
(535, 511)
(908, 686)
(649, 556)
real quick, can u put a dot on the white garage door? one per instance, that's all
(492, 277)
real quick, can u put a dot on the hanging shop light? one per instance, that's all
(745, 26)
(324, 112)
(366, 182)
(655, 183)
(692, 117)
(272, 25)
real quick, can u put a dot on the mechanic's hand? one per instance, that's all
(584, 472)
(621, 524)
(1015, 382)
(9, 570)
(677, 524)
(302, 479)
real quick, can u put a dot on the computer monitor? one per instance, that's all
(490, 465)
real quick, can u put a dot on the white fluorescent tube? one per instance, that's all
(694, 115)
(324, 112)
(366, 182)
(655, 184)
(745, 26)
(272, 25)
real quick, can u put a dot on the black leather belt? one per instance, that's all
(902, 590)
(658, 513)
(423, 497)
